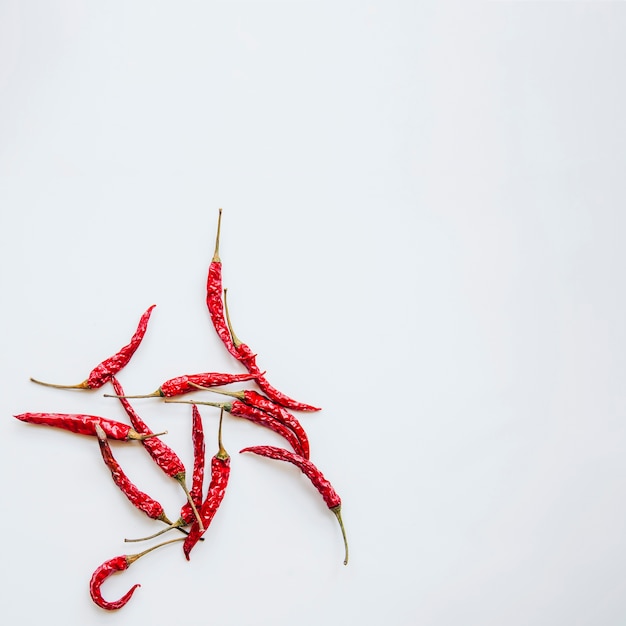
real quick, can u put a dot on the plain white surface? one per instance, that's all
(423, 233)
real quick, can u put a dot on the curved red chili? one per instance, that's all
(214, 294)
(110, 567)
(136, 497)
(248, 358)
(182, 384)
(160, 452)
(241, 409)
(220, 472)
(280, 413)
(103, 372)
(86, 425)
(326, 490)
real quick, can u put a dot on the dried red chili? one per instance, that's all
(136, 497)
(326, 490)
(197, 483)
(110, 567)
(214, 295)
(248, 358)
(182, 384)
(103, 372)
(220, 472)
(280, 413)
(241, 409)
(160, 452)
(86, 425)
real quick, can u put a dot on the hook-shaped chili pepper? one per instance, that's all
(214, 295)
(220, 472)
(248, 358)
(326, 490)
(160, 452)
(86, 425)
(258, 401)
(110, 567)
(182, 384)
(241, 409)
(103, 372)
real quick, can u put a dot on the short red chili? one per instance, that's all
(103, 372)
(326, 490)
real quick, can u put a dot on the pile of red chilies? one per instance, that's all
(270, 409)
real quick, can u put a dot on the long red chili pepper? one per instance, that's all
(240, 409)
(182, 384)
(86, 425)
(326, 490)
(136, 497)
(197, 483)
(248, 358)
(214, 295)
(110, 567)
(220, 472)
(251, 397)
(103, 372)
(160, 452)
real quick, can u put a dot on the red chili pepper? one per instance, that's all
(214, 294)
(110, 567)
(86, 425)
(248, 358)
(220, 472)
(197, 438)
(240, 409)
(182, 384)
(136, 497)
(332, 499)
(103, 372)
(251, 397)
(160, 452)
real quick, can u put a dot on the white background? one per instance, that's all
(423, 234)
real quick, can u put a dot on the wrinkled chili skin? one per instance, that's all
(179, 385)
(241, 409)
(215, 305)
(255, 399)
(326, 490)
(160, 452)
(197, 482)
(136, 497)
(79, 423)
(102, 373)
(108, 568)
(220, 472)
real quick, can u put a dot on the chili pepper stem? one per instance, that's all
(219, 405)
(131, 558)
(236, 341)
(83, 385)
(140, 437)
(181, 479)
(155, 394)
(337, 511)
(216, 254)
(171, 525)
(221, 453)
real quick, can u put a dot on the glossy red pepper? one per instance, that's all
(86, 425)
(220, 472)
(214, 294)
(161, 453)
(326, 490)
(103, 372)
(182, 384)
(248, 358)
(136, 497)
(110, 567)
(280, 413)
